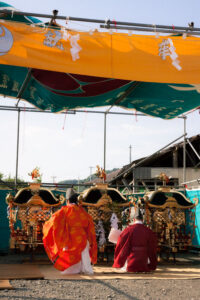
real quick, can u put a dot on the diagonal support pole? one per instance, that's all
(125, 94)
(24, 85)
(193, 149)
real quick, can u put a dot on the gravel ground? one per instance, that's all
(117, 289)
(103, 289)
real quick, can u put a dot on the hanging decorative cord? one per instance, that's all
(135, 114)
(156, 33)
(115, 24)
(67, 20)
(64, 120)
(184, 35)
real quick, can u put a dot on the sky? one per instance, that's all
(65, 147)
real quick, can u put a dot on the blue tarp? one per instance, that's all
(4, 223)
(196, 238)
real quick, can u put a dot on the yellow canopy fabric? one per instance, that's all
(103, 54)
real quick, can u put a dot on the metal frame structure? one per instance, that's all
(109, 24)
(105, 113)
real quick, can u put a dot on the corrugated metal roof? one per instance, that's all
(157, 159)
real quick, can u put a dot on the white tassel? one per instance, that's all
(114, 221)
(101, 233)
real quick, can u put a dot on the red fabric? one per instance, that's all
(63, 83)
(65, 236)
(136, 244)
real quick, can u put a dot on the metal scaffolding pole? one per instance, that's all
(193, 149)
(146, 29)
(111, 23)
(17, 152)
(184, 149)
(71, 111)
(104, 156)
(19, 109)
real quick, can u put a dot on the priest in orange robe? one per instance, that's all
(69, 239)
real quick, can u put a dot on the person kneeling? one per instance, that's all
(69, 239)
(136, 247)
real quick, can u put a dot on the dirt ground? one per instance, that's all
(104, 289)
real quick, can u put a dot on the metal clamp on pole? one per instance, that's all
(53, 19)
(107, 24)
(191, 25)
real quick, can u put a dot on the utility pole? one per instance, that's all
(78, 185)
(53, 177)
(130, 158)
(91, 173)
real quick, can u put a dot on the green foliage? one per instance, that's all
(12, 179)
(9, 182)
(93, 176)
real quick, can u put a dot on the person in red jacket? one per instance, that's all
(136, 248)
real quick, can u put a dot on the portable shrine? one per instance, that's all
(165, 212)
(27, 212)
(106, 206)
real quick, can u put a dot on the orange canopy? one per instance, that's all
(169, 59)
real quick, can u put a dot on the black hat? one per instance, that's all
(70, 192)
(73, 198)
(138, 214)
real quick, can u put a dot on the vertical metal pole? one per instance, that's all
(17, 155)
(130, 159)
(91, 173)
(104, 157)
(184, 150)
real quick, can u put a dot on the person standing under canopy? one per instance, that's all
(136, 247)
(69, 239)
